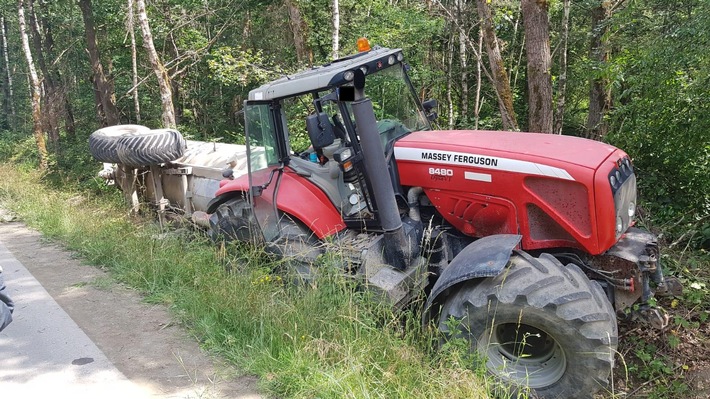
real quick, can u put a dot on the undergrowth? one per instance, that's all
(326, 339)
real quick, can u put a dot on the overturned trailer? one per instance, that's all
(183, 175)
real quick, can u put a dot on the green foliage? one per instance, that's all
(661, 113)
(232, 66)
(658, 368)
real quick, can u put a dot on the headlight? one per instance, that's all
(349, 75)
(632, 209)
(391, 59)
(612, 181)
(344, 154)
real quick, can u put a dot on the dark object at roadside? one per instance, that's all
(6, 304)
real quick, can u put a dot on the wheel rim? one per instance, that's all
(523, 354)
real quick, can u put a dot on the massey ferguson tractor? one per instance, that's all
(523, 244)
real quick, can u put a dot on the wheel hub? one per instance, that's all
(523, 354)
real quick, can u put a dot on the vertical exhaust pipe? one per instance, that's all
(396, 246)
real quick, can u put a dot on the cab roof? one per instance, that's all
(326, 76)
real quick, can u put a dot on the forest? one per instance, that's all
(632, 73)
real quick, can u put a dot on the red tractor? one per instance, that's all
(523, 243)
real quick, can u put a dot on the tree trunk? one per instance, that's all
(562, 81)
(450, 80)
(8, 102)
(336, 29)
(134, 63)
(463, 58)
(63, 105)
(103, 88)
(166, 94)
(298, 32)
(498, 72)
(50, 116)
(599, 96)
(34, 88)
(479, 67)
(537, 49)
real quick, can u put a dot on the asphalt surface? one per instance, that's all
(44, 353)
(78, 334)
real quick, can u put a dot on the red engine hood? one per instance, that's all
(526, 146)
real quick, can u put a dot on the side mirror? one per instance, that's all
(320, 131)
(428, 106)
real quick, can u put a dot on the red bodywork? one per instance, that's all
(297, 196)
(551, 189)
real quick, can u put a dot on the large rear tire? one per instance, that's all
(298, 247)
(234, 221)
(539, 325)
(103, 143)
(150, 148)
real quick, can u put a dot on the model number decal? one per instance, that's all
(441, 172)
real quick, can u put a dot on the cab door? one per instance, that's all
(265, 153)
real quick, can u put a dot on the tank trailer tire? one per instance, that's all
(539, 325)
(150, 148)
(103, 143)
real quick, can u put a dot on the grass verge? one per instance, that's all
(327, 341)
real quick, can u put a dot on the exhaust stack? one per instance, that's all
(396, 246)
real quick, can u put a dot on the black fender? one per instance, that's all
(221, 199)
(485, 257)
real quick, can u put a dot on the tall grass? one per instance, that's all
(327, 339)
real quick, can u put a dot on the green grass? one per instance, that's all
(325, 340)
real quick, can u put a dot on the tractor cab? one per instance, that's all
(303, 138)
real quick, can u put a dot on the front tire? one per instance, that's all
(539, 325)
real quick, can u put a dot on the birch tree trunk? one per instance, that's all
(130, 26)
(450, 80)
(537, 48)
(477, 104)
(8, 102)
(599, 97)
(34, 88)
(103, 88)
(166, 94)
(562, 81)
(336, 29)
(498, 72)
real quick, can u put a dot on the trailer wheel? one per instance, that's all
(234, 221)
(150, 148)
(539, 325)
(103, 143)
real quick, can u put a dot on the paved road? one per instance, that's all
(44, 353)
(76, 334)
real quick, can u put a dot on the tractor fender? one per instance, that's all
(485, 257)
(222, 198)
(304, 202)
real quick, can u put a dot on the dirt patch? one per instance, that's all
(140, 339)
